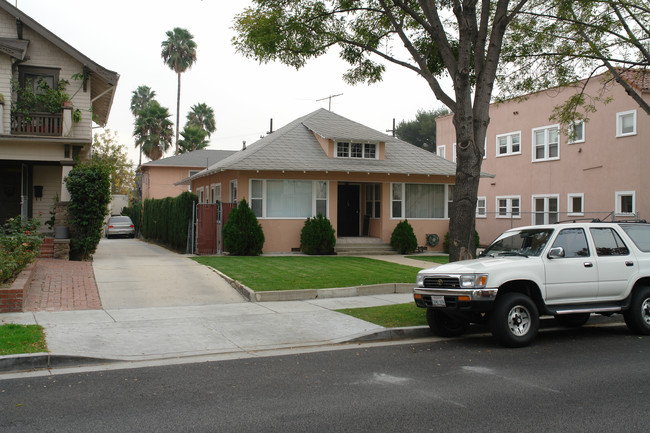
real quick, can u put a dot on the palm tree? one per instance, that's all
(193, 139)
(140, 98)
(202, 116)
(179, 53)
(153, 130)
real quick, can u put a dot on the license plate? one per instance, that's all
(438, 301)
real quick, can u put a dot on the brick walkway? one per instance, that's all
(59, 285)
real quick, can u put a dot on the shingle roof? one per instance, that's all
(295, 148)
(197, 158)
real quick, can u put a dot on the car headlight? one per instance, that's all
(420, 280)
(469, 281)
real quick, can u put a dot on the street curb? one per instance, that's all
(44, 360)
(394, 334)
(306, 294)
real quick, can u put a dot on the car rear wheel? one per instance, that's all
(514, 321)
(444, 325)
(573, 320)
(637, 318)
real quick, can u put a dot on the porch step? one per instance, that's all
(47, 249)
(364, 249)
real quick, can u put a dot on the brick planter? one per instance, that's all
(12, 298)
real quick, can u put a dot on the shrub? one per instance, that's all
(242, 233)
(317, 236)
(134, 211)
(445, 243)
(19, 245)
(403, 238)
(167, 220)
(89, 184)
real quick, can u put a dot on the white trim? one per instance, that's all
(230, 187)
(617, 204)
(582, 127)
(569, 204)
(200, 194)
(441, 151)
(619, 123)
(546, 210)
(509, 206)
(349, 150)
(314, 198)
(546, 130)
(509, 144)
(454, 156)
(403, 201)
(484, 207)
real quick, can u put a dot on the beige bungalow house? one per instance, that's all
(38, 149)
(364, 181)
(158, 178)
(542, 175)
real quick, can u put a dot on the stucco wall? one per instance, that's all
(158, 182)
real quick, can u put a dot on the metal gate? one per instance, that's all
(209, 226)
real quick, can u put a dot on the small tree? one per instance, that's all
(242, 234)
(317, 236)
(89, 185)
(403, 238)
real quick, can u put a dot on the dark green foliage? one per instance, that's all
(421, 131)
(134, 211)
(89, 184)
(167, 220)
(242, 234)
(19, 246)
(403, 238)
(317, 236)
(445, 243)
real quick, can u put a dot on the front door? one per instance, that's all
(10, 191)
(348, 210)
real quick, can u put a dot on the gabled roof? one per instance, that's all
(197, 158)
(295, 148)
(104, 81)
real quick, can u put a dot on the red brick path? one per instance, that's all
(59, 285)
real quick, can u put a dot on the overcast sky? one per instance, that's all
(125, 37)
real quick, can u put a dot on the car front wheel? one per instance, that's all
(637, 318)
(514, 321)
(444, 325)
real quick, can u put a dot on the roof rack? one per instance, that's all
(575, 220)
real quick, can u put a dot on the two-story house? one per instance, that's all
(545, 174)
(39, 136)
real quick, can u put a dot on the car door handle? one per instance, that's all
(588, 265)
(628, 263)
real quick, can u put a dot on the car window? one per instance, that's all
(608, 242)
(573, 242)
(120, 219)
(640, 235)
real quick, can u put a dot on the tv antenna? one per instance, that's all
(330, 100)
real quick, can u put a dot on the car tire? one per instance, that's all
(444, 325)
(637, 318)
(573, 320)
(514, 320)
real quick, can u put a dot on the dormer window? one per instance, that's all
(356, 150)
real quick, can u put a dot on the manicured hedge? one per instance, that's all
(167, 220)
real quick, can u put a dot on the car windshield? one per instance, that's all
(528, 242)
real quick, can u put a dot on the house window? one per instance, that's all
(485, 148)
(575, 204)
(199, 192)
(289, 198)
(546, 144)
(625, 203)
(577, 132)
(372, 200)
(509, 144)
(545, 209)
(233, 191)
(190, 174)
(626, 123)
(440, 151)
(481, 207)
(356, 150)
(508, 207)
(34, 78)
(454, 156)
(215, 193)
(423, 201)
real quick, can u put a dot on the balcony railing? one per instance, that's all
(46, 124)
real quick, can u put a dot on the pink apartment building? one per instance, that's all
(542, 177)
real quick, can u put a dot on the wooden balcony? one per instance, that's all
(43, 124)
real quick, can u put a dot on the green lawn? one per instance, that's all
(428, 258)
(309, 272)
(390, 316)
(21, 339)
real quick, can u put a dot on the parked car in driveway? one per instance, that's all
(120, 226)
(567, 270)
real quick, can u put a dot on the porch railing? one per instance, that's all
(47, 124)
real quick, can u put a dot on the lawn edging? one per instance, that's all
(12, 298)
(304, 294)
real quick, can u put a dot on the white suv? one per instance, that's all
(567, 270)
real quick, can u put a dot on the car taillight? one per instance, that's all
(131, 226)
(111, 227)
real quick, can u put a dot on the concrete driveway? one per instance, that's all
(135, 274)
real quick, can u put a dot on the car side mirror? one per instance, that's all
(556, 253)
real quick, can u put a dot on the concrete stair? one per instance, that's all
(363, 246)
(47, 249)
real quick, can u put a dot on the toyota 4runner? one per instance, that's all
(566, 270)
